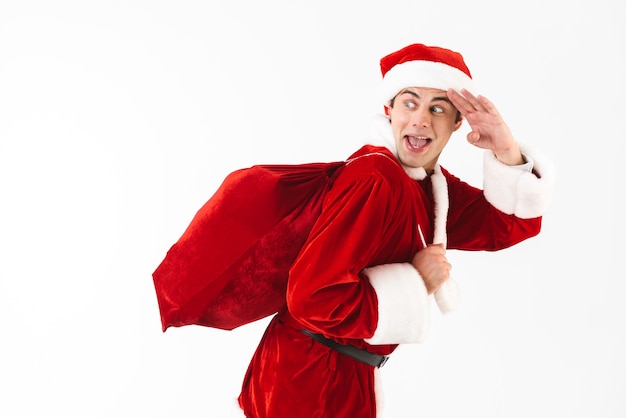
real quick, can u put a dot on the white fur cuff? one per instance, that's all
(403, 304)
(518, 192)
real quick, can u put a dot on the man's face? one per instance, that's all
(422, 120)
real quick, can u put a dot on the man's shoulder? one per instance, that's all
(374, 159)
(372, 167)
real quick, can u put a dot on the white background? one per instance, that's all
(119, 119)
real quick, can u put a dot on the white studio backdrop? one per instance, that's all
(119, 119)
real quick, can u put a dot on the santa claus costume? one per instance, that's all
(353, 294)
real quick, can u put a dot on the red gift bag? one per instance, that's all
(231, 264)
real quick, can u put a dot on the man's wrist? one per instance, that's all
(511, 156)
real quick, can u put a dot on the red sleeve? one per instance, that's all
(326, 292)
(507, 211)
(475, 224)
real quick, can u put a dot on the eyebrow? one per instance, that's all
(417, 96)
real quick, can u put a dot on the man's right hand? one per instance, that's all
(433, 266)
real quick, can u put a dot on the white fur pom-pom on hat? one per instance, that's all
(418, 65)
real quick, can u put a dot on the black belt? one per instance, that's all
(349, 350)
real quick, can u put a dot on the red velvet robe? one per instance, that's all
(369, 219)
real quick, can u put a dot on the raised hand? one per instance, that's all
(489, 131)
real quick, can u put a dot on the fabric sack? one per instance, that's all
(231, 264)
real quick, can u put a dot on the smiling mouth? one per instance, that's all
(417, 142)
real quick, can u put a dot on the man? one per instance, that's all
(361, 284)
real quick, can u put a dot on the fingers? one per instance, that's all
(433, 266)
(473, 137)
(467, 103)
(474, 104)
(462, 102)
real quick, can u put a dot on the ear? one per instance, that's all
(386, 110)
(458, 124)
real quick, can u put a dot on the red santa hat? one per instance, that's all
(419, 65)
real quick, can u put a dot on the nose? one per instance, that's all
(421, 117)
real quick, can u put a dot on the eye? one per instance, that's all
(410, 104)
(438, 109)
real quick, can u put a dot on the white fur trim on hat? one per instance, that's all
(428, 74)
